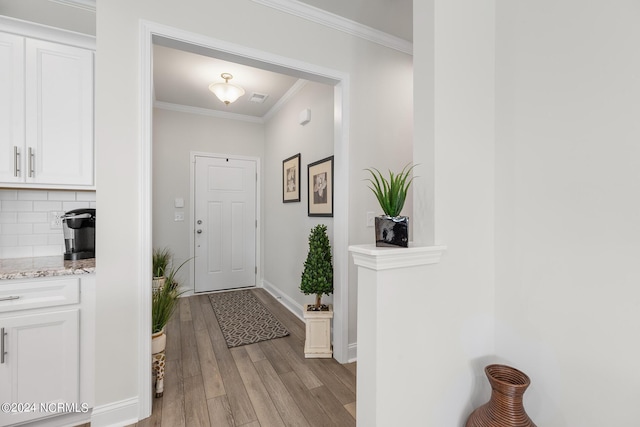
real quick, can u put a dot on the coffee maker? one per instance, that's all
(79, 234)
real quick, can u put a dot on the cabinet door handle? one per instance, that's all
(32, 156)
(2, 352)
(16, 161)
(9, 298)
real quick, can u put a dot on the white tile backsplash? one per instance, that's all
(32, 217)
(32, 195)
(7, 241)
(61, 195)
(32, 240)
(16, 206)
(48, 206)
(9, 195)
(24, 220)
(86, 196)
(8, 217)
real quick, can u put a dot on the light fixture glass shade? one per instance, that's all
(226, 92)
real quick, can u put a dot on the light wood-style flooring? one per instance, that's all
(266, 384)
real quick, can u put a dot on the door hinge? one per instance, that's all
(256, 269)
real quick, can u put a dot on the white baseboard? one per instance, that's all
(116, 414)
(294, 307)
(352, 352)
(284, 299)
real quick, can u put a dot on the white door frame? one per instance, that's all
(340, 80)
(192, 205)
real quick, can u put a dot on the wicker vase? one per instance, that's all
(505, 408)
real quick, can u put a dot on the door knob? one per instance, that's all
(199, 231)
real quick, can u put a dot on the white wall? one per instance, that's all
(286, 225)
(379, 116)
(454, 131)
(567, 207)
(175, 135)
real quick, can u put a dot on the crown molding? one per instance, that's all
(339, 23)
(297, 86)
(89, 5)
(206, 112)
(45, 32)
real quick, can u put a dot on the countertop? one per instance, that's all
(28, 268)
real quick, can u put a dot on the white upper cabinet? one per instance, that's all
(46, 90)
(11, 107)
(59, 114)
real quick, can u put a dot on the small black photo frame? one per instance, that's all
(320, 187)
(291, 179)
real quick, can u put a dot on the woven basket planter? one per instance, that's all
(505, 408)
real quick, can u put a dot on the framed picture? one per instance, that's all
(320, 192)
(291, 179)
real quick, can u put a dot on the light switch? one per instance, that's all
(179, 202)
(178, 216)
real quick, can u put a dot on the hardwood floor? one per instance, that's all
(267, 384)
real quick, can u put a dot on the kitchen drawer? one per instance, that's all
(27, 294)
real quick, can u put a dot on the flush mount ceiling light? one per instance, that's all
(226, 92)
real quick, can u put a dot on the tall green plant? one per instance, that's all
(317, 276)
(164, 302)
(391, 193)
(161, 259)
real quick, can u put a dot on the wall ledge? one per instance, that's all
(375, 258)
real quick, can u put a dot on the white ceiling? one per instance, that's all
(182, 74)
(182, 79)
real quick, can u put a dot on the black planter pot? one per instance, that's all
(392, 231)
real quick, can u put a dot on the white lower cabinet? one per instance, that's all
(46, 350)
(40, 367)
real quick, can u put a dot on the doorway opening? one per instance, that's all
(152, 33)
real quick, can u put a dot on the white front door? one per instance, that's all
(225, 223)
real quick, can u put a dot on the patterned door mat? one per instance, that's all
(243, 319)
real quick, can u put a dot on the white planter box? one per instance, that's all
(318, 333)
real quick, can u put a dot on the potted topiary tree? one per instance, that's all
(391, 228)
(317, 279)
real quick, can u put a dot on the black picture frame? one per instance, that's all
(320, 188)
(291, 179)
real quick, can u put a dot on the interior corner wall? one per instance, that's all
(567, 207)
(455, 46)
(175, 136)
(286, 225)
